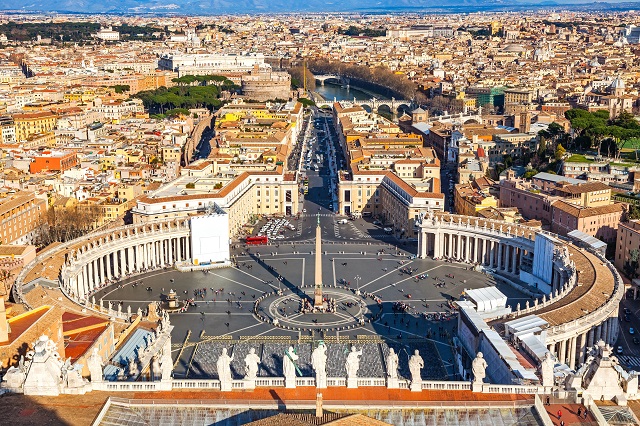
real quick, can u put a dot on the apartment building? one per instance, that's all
(28, 124)
(628, 240)
(7, 131)
(59, 161)
(241, 195)
(600, 222)
(469, 199)
(385, 195)
(20, 214)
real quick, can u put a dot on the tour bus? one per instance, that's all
(257, 240)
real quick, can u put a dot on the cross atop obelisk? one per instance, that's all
(317, 293)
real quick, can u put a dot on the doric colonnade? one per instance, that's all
(506, 248)
(125, 251)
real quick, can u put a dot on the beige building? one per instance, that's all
(241, 197)
(628, 239)
(20, 214)
(388, 197)
(28, 124)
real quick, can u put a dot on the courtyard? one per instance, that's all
(385, 298)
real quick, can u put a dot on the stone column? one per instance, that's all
(79, 284)
(179, 247)
(598, 334)
(96, 279)
(583, 347)
(467, 255)
(611, 327)
(109, 274)
(436, 244)
(101, 274)
(170, 252)
(458, 247)
(85, 279)
(572, 353)
(485, 259)
(500, 251)
(563, 351)
(605, 331)
(516, 256)
(476, 254)
(128, 254)
(590, 336)
(491, 253)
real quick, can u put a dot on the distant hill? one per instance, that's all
(214, 7)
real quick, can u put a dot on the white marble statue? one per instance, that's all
(251, 363)
(392, 364)
(43, 375)
(478, 367)
(167, 366)
(416, 363)
(95, 364)
(352, 364)
(155, 369)
(289, 367)
(224, 370)
(546, 370)
(132, 367)
(319, 364)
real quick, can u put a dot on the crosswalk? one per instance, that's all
(630, 361)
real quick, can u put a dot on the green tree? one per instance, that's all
(560, 152)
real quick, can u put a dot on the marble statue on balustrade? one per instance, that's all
(44, 369)
(95, 364)
(132, 367)
(602, 377)
(546, 370)
(14, 378)
(352, 365)
(72, 376)
(478, 367)
(289, 367)
(251, 363)
(224, 371)
(319, 364)
(392, 369)
(416, 363)
(156, 372)
(167, 366)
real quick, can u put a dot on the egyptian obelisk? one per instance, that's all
(317, 293)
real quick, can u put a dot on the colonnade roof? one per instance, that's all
(595, 286)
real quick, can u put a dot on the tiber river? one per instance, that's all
(340, 93)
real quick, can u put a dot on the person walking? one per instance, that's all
(559, 414)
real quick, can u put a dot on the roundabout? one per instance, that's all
(287, 310)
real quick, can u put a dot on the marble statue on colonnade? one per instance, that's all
(478, 367)
(289, 367)
(319, 364)
(224, 371)
(392, 369)
(352, 364)
(251, 363)
(416, 363)
(95, 364)
(546, 370)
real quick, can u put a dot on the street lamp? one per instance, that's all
(358, 278)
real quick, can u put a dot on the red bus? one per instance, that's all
(257, 240)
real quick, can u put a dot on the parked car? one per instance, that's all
(619, 350)
(632, 330)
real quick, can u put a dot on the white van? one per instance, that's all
(342, 221)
